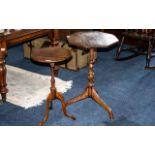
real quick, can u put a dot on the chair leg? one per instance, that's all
(119, 49)
(149, 55)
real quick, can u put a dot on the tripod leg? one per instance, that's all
(102, 103)
(75, 99)
(48, 100)
(60, 97)
(82, 96)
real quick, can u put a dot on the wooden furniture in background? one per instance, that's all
(91, 41)
(52, 56)
(141, 42)
(13, 38)
(80, 57)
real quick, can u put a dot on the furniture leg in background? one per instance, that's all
(3, 85)
(141, 43)
(150, 54)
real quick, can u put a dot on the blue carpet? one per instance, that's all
(125, 86)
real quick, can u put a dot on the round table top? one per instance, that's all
(92, 39)
(51, 55)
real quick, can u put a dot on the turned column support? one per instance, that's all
(54, 36)
(3, 84)
(90, 90)
(91, 72)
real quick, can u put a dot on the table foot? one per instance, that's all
(82, 96)
(98, 100)
(50, 97)
(60, 97)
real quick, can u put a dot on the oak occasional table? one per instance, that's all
(91, 41)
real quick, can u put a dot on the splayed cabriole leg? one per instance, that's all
(82, 96)
(90, 90)
(60, 97)
(48, 100)
(96, 98)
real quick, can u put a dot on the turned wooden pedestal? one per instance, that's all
(52, 56)
(91, 40)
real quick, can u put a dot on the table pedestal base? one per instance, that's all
(90, 90)
(54, 94)
(92, 93)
